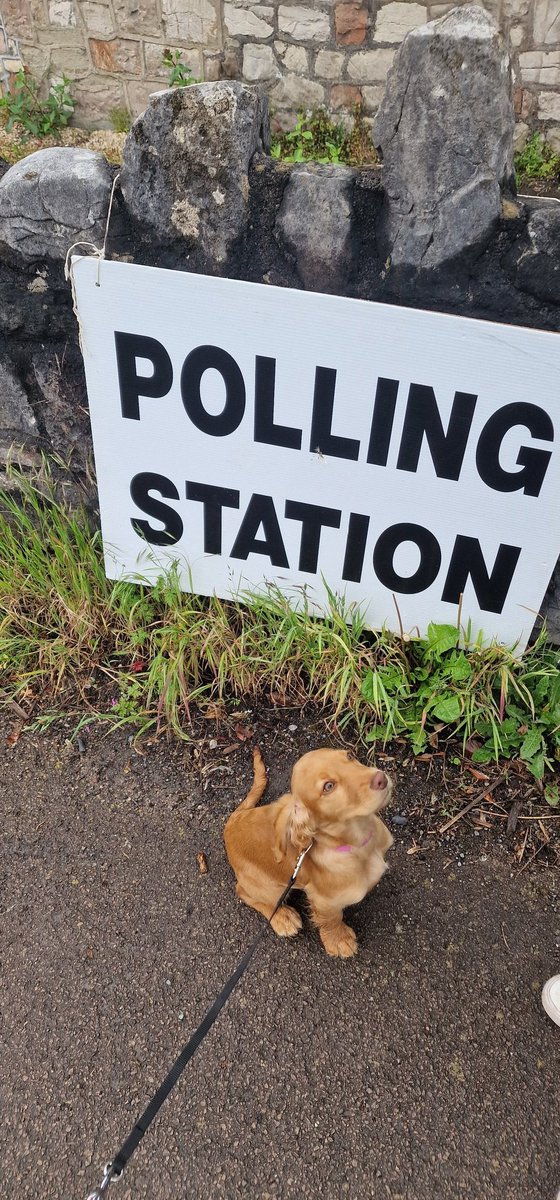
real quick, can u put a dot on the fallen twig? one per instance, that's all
(532, 858)
(542, 817)
(513, 816)
(523, 847)
(472, 804)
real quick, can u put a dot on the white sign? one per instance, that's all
(403, 458)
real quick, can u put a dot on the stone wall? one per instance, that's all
(332, 52)
(437, 226)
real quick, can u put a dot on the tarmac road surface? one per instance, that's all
(423, 1068)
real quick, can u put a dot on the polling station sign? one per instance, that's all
(254, 434)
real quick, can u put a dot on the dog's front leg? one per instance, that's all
(337, 937)
(286, 922)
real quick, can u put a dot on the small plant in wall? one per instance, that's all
(37, 116)
(537, 160)
(180, 75)
(120, 119)
(317, 138)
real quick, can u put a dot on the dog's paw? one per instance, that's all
(287, 922)
(341, 942)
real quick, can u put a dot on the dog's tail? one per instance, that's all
(259, 782)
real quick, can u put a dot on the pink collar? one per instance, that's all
(347, 849)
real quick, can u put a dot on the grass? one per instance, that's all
(120, 119)
(129, 654)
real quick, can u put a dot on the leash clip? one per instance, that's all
(110, 1176)
(300, 860)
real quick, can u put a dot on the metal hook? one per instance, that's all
(110, 1176)
(300, 860)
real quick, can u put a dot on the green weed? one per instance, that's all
(153, 653)
(120, 119)
(316, 137)
(37, 116)
(509, 705)
(537, 160)
(180, 75)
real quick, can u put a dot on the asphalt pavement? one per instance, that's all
(423, 1068)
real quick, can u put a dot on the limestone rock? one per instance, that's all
(536, 260)
(396, 19)
(551, 607)
(293, 91)
(370, 66)
(259, 62)
(16, 414)
(547, 13)
(186, 163)
(253, 23)
(548, 106)
(61, 404)
(53, 198)
(314, 222)
(303, 24)
(194, 21)
(445, 128)
(329, 64)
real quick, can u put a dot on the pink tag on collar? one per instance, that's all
(346, 849)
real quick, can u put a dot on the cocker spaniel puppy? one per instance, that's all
(333, 805)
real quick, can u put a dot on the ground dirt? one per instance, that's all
(423, 1068)
(540, 187)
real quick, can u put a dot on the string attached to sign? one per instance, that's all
(97, 252)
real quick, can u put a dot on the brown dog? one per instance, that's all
(333, 804)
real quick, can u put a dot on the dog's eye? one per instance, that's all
(328, 786)
(351, 757)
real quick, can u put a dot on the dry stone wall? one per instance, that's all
(307, 52)
(437, 226)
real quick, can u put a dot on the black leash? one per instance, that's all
(115, 1168)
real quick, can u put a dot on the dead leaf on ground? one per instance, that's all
(214, 712)
(15, 733)
(244, 732)
(202, 864)
(477, 774)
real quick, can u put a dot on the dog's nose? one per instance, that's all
(379, 781)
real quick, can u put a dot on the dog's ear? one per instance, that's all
(294, 826)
